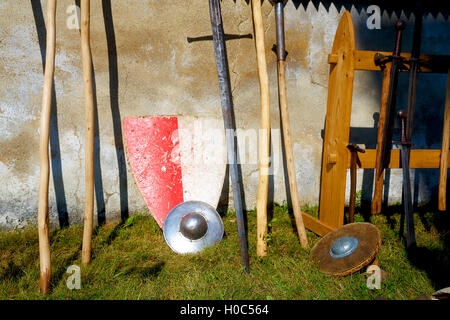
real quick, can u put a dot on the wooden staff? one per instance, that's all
(89, 121)
(43, 227)
(264, 133)
(282, 95)
(379, 179)
(443, 165)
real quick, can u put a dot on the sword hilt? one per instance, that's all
(381, 59)
(399, 26)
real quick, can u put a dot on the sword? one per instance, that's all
(407, 198)
(397, 64)
(407, 127)
(227, 110)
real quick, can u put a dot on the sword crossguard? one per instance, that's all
(381, 60)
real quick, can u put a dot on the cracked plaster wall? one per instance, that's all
(160, 73)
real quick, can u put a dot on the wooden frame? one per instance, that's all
(344, 60)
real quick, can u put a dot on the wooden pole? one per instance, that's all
(379, 180)
(290, 154)
(89, 139)
(43, 227)
(443, 165)
(264, 133)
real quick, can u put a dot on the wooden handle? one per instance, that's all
(379, 181)
(89, 139)
(290, 154)
(43, 227)
(264, 136)
(352, 202)
(443, 165)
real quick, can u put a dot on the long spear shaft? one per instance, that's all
(282, 94)
(43, 225)
(227, 110)
(89, 122)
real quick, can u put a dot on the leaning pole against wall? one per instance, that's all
(43, 225)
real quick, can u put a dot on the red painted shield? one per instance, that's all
(176, 159)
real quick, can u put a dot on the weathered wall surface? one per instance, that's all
(145, 65)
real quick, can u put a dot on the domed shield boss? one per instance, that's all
(347, 249)
(192, 226)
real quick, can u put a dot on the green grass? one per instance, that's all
(132, 261)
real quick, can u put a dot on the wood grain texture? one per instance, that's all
(443, 164)
(264, 133)
(89, 127)
(315, 225)
(43, 225)
(419, 159)
(337, 125)
(378, 192)
(282, 95)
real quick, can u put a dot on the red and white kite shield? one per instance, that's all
(176, 159)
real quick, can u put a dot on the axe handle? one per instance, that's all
(43, 225)
(89, 138)
(443, 166)
(264, 133)
(352, 202)
(290, 154)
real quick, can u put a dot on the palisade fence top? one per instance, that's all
(398, 7)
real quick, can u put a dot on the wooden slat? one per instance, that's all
(337, 125)
(378, 192)
(419, 159)
(316, 225)
(444, 150)
(432, 63)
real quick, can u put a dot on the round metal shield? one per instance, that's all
(347, 249)
(192, 226)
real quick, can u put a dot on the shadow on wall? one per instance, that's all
(55, 151)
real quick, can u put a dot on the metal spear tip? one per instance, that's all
(400, 25)
(274, 2)
(403, 114)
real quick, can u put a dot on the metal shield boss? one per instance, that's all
(192, 226)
